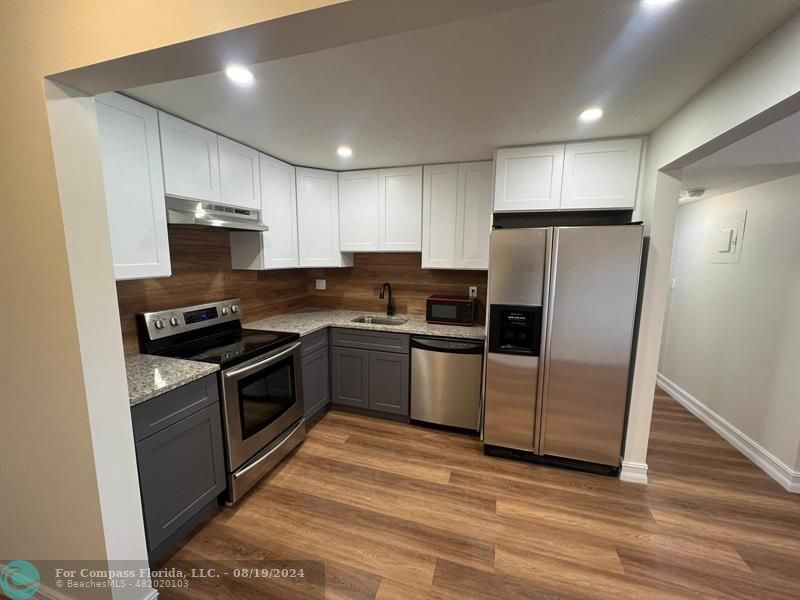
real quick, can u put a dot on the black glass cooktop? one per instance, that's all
(230, 347)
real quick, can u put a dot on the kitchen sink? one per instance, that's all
(377, 320)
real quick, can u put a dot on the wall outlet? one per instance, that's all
(322, 284)
(473, 291)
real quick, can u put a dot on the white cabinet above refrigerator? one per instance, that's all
(594, 175)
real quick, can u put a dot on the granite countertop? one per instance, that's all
(309, 322)
(150, 375)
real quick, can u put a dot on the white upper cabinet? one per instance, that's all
(380, 210)
(528, 179)
(238, 174)
(601, 175)
(439, 208)
(473, 215)
(191, 160)
(577, 176)
(400, 209)
(318, 219)
(457, 207)
(276, 248)
(134, 187)
(359, 221)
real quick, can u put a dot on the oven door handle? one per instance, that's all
(244, 371)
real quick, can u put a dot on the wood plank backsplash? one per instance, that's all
(356, 288)
(201, 272)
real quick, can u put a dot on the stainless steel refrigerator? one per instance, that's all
(562, 302)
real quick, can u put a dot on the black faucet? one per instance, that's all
(389, 305)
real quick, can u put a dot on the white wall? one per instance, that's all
(764, 77)
(732, 338)
(74, 136)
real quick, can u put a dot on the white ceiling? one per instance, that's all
(771, 153)
(455, 92)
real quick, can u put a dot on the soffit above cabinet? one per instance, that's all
(454, 92)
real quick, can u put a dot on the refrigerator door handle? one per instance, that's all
(548, 310)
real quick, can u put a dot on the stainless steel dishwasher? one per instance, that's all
(446, 381)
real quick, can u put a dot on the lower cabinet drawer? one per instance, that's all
(370, 340)
(181, 470)
(162, 411)
(314, 341)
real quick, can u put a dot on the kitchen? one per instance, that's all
(277, 374)
(277, 310)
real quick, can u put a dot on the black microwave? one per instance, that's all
(451, 310)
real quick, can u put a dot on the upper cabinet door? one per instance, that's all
(191, 160)
(473, 216)
(238, 174)
(277, 247)
(601, 175)
(134, 187)
(528, 179)
(439, 209)
(279, 213)
(358, 211)
(318, 219)
(400, 209)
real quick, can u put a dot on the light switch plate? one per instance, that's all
(473, 291)
(725, 240)
(725, 236)
(321, 284)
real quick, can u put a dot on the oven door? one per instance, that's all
(262, 398)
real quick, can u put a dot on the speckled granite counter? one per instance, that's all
(150, 376)
(309, 322)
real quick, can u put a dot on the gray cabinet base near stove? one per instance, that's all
(180, 456)
(316, 382)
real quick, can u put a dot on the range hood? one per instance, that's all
(191, 213)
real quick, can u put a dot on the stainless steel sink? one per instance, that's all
(378, 320)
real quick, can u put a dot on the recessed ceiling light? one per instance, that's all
(344, 151)
(239, 74)
(591, 114)
(657, 2)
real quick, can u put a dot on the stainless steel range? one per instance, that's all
(260, 382)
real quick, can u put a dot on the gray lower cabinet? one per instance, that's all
(316, 388)
(181, 466)
(370, 370)
(388, 382)
(350, 377)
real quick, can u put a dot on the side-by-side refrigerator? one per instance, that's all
(562, 303)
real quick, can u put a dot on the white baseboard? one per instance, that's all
(633, 472)
(766, 461)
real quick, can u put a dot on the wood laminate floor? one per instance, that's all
(402, 512)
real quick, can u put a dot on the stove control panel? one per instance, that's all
(165, 323)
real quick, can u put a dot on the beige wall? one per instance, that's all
(732, 338)
(48, 439)
(767, 75)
